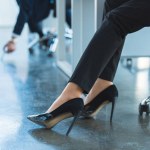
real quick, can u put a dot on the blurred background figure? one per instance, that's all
(68, 13)
(32, 12)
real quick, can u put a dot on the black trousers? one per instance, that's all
(68, 12)
(36, 27)
(100, 58)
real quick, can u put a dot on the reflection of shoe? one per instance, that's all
(108, 95)
(72, 108)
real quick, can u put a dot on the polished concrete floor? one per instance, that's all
(29, 84)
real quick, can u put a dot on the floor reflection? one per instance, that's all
(29, 84)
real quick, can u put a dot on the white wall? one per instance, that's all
(8, 12)
(137, 44)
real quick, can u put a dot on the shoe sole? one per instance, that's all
(52, 122)
(93, 115)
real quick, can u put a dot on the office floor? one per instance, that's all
(29, 84)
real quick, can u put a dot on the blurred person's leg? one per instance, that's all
(36, 27)
(68, 17)
(68, 12)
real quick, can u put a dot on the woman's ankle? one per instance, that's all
(66, 96)
(71, 91)
(97, 88)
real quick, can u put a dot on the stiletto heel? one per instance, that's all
(72, 108)
(108, 95)
(112, 109)
(74, 120)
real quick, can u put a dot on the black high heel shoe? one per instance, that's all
(108, 95)
(72, 108)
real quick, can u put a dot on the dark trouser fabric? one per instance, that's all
(102, 55)
(110, 70)
(36, 27)
(68, 12)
